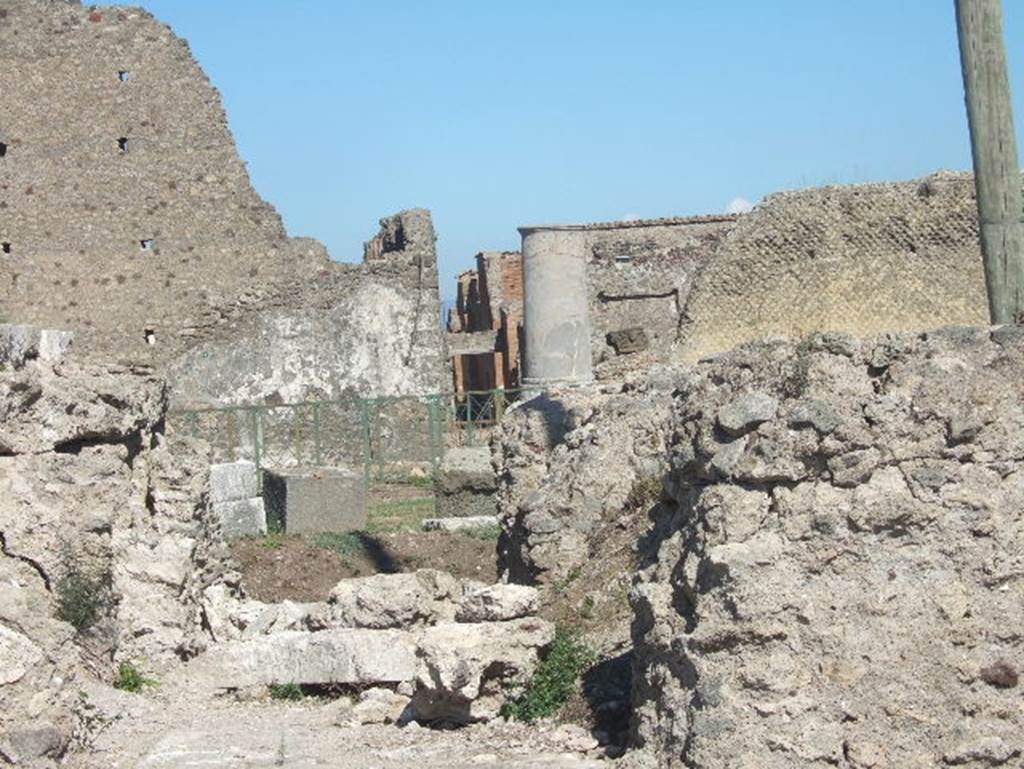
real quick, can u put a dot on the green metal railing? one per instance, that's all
(387, 437)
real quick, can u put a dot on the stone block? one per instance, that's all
(344, 656)
(314, 499)
(241, 517)
(19, 343)
(459, 523)
(628, 340)
(233, 481)
(465, 483)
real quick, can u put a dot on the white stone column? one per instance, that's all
(556, 313)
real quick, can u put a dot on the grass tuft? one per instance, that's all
(130, 679)
(554, 681)
(347, 543)
(82, 595)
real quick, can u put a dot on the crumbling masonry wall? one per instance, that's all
(127, 216)
(861, 258)
(639, 276)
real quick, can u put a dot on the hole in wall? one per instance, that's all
(122, 144)
(3, 149)
(149, 335)
(5, 247)
(124, 75)
(146, 244)
(623, 258)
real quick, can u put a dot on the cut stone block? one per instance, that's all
(241, 517)
(232, 481)
(344, 656)
(314, 499)
(460, 524)
(19, 343)
(465, 483)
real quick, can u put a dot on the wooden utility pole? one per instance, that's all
(994, 148)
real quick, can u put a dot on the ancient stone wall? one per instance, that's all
(840, 580)
(106, 541)
(862, 258)
(127, 216)
(370, 329)
(639, 276)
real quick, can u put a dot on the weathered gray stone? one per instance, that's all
(233, 481)
(17, 655)
(241, 518)
(314, 499)
(394, 600)
(465, 483)
(814, 413)
(459, 524)
(465, 669)
(376, 706)
(832, 581)
(628, 340)
(747, 412)
(496, 603)
(338, 656)
(21, 343)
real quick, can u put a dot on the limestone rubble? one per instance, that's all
(833, 574)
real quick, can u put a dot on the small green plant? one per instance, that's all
(272, 540)
(587, 607)
(286, 692)
(82, 595)
(646, 491)
(554, 680)
(344, 544)
(488, 532)
(130, 679)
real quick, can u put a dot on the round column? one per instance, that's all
(556, 313)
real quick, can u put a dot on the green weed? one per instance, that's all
(347, 543)
(82, 595)
(130, 679)
(554, 681)
(286, 692)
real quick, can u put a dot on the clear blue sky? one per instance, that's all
(496, 114)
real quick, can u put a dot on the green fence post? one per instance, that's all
(435, 432)
(499, 405)
(257, 439)
(317, 441)
(364, 413)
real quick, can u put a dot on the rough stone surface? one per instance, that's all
(496, 603)
(180, 730)
(314, 499)
(376, 706)
(241, 518)
(464, 484)
(570, 464)
(394, 600)
(841, 584)
(466, 669)
(459, 524)
(19, 343)
(88, 486)
(337, 656)
(233, 481)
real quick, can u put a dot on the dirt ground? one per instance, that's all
(281, 567)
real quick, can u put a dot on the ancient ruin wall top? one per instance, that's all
(125, 211)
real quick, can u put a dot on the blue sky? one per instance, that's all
(498, 114)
